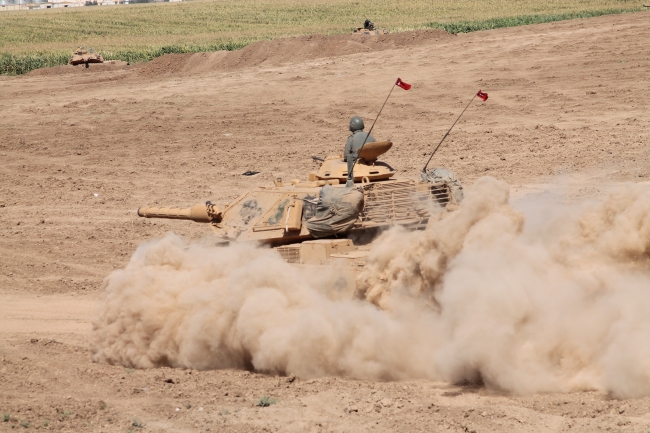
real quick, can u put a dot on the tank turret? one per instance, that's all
(322, 206)
(367, 167)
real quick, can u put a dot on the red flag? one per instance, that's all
(402, 84)
(482, 95)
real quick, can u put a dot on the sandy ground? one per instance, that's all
(82, 149)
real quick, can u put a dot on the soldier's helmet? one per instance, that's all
(356, 124)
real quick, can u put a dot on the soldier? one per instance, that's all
(354, 143)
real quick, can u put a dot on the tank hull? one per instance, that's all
(261, 214)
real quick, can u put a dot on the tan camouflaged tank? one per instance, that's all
(369, 29)
(82, 57)
(316, 221)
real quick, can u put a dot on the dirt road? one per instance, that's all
(82, 149)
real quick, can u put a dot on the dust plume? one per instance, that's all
(559, 304)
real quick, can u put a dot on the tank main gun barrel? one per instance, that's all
(200, 213)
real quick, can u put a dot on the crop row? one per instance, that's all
(521, 20)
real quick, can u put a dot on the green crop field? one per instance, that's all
(140, 32)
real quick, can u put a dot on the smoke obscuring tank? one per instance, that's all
(318, 221)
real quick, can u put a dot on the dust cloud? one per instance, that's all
(527, 298)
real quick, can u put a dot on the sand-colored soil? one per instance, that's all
(82, 149)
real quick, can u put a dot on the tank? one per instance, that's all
(80, 56)
(369, 29)
(318, 220)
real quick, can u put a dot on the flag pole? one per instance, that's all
(445, 136)
(350, 180)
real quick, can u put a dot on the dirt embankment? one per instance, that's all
(296, 49)
(263, 53)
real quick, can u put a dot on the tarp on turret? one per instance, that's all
(337, 211)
